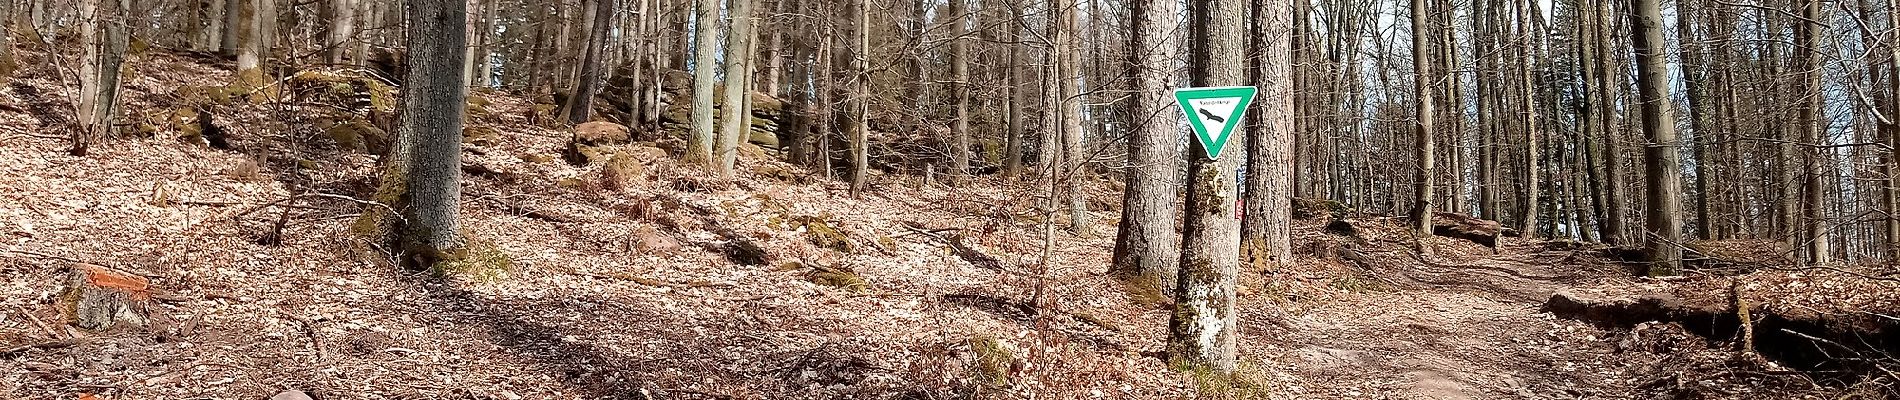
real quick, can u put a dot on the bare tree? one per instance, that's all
(580, 103)
(734, 121)
(1146, 243)
(1203, 328)
(432, 110)
(1422, 128)
(699, 146)
(1662, 158)
(103, 33)
(1267, 226)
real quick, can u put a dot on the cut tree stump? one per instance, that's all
(100, 297)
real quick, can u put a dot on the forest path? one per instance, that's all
(1449, 330)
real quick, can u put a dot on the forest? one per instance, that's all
(949, 199)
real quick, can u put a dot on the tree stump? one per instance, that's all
(100, 298)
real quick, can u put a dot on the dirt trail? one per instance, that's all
(1452, 330)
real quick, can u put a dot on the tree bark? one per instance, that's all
(1146, 243)
(1203, 328)
(1527, 107)
(1018, 99)
(699, 147)
(1266, 229)
(1069, 102)
(960, 91)
(580, 103)
(860, 98)
(342, 29)
(103, 33)
(1661, 155)
(734, 122)
(434, 102)
(1613, 222)
(1812, 126)
(1422, 128)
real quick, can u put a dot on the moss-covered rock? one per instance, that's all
(479, 259)
(744, 251)
(480, 135)
(359, 135)
(822, 234)
(599, 133)
(836, 276)
(994, 361)
(622, 171)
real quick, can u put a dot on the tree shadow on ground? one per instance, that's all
(640, 348)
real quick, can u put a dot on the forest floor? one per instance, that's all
(668, 284)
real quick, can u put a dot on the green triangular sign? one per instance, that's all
(1213, 112)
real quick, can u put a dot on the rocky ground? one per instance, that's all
(634, 277)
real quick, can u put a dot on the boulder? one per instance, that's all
(649, 241)
(623, 171)
(600, 133)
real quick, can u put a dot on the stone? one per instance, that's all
(649, 241)
(601, 133)
(291, 395)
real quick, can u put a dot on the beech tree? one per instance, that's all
(699, 144)
(1267, 224)
(1661, 156)
(433, 105)
(734, 117)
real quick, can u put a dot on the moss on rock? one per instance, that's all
(995, 361)
(838, 277)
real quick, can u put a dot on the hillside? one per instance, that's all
(643, 278)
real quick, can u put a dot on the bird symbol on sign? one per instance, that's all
(1211, 116)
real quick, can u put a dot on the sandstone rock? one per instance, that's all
(650, 241)
(291, 395)
(601, 133)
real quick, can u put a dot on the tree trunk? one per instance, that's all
(1146, 246)
(1613, 228)
(433, 107)
(960, 91)
(1527, 106)
(699, 148)
(1018, 99)
(1265, 231)
(233, 25)
(580, 103)
(1661, 156)
(1813, 127)
(1892, 190)
(1067, 50)
(103, 33)
(860, 98)
(342, 29)
(734, 122)
(771, 80)
(1422, 129)
(1203, 329)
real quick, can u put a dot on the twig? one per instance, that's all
(51, 344)
(37, 322)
